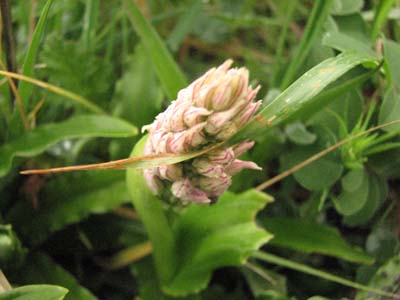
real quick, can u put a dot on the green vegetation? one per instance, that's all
(80, 78)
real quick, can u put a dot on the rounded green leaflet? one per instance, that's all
(376, 194)
(299, 134)
(318, 175)
(351, 201)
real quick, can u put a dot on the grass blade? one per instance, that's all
(25, 88)
(301, 92)
(55, 89)
(317, 18)
(380, 17)
(171, 77)
(270, 258)
(184, 25)
(41, 138)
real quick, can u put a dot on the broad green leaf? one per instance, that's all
(351, 201)
(12, 254)
(377, 192)
(314, 25)
(68, 200)
(41, 269)
(392, 53)
(209, 237)
(25, 88)
(35, 292)
(390, 109)
(310, 237)
(43, 137)
(354, 26)
(344, 42)
(318, 175)
(386, 278)
(301, 92)
(346, 7)
(171, 77)
(298, 134)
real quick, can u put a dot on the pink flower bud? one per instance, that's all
(211, 109)
(208, 168)
(238, 165)
(153, 181)
(241, 148)
(214, 187)
(185, 191)
(170, 172)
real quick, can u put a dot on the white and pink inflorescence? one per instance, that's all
(210, 110)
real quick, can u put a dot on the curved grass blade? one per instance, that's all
(152, 214)
(317, 18)
(25, 88)
(280, 261)
(171, 77)
(301, 92)
(380, 17)
(55, 89)
(43, 137)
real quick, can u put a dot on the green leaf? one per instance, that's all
(390, 110)
(43, 137)
(152, 214)
(346, 7)
(300, 93)
(280, 261)
(12, 254)
(35, 292)
(314, 176)
(25, 88)
(185, 24)
(209, 237)
(298, 134)
(68, 200)
(344, 42)
(310, 237)
(381, 15)
(133, 94)
(41, 269)
(171, 77)
(315, 22)
(377, 192)
(352, 199)
(386, 278)
(392, 53)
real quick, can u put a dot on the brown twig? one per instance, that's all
(313, 158)
(7, 35)
(14, 91)
(120, 164)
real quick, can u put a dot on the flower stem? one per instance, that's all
(154, 219)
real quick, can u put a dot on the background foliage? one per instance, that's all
(118, 64)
